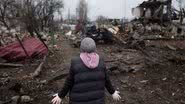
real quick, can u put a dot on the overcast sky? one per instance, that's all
(108, 8)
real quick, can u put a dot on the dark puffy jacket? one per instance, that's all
(86, 86)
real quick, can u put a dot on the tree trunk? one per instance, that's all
(169, 9)
(5, 24)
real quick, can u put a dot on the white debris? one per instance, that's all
(26, 99)
(112, 30)
(138, 12)
(69, 33)
(172, 37)
(144, 81)
(12, 31)
(164, 79)
(3, 28)
(7, 31)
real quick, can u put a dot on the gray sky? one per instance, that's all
(108, 8)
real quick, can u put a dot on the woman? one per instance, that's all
(87, 78)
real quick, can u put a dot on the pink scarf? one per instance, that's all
(91, 60)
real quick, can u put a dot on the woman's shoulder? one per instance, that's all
(75, 59)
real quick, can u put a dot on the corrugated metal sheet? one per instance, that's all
(14, 51)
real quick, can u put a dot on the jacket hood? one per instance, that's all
(91, 60)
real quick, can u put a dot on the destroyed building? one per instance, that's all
(155, 10)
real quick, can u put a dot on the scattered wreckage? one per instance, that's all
(153, 27)
(19, 49)
(98, 34)
(137, 35)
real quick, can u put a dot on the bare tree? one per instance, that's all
(33, 15)
(101, 20)
(7, 12)
(39, 14)
(46, 11)
(82, 11)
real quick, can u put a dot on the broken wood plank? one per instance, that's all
(39, 68)
(171, 47)
(11, 65)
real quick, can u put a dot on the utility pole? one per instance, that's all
(69, 16)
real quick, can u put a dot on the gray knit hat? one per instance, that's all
(88, 45)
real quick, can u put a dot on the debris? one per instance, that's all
(128, 60)
(114, 30)
(136, 36)
(100, 34)
(15, 99)
(43, 81)
(70, 36)
(164, 79)
(148, 13)
(173, 44)
(21, 99)
(182, 101)
(15, 86)
(144, 81)
(14, 52)
(59, 74)
(4, 81)
(10, 65)
(26, 99)
(39, 68)
(2, 60)
(138, 12)
(173, 94)
(171, 47)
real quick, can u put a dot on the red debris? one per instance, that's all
(14, 51)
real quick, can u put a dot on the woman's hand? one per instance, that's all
(116, 96)
(56, 99)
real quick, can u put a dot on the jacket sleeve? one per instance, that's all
(108, 83)
(68, 83)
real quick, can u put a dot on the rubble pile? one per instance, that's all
(11, 36)
(97, 34)
(74, 39)
(16, 46)
(150, 34)
(8, 36)
(155, 20)
(50, 38)
(125, 60)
